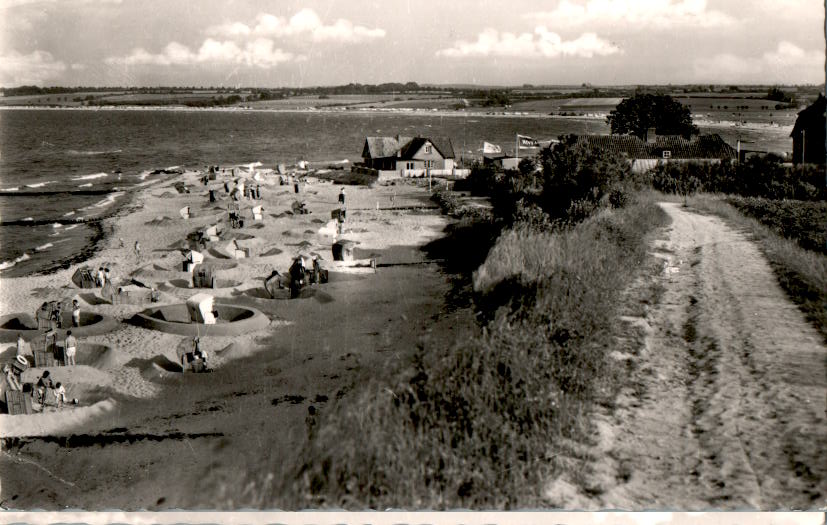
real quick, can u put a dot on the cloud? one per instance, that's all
(34, 68)
(787, 63)
(663, 14)
(17, 3)
(305, 23)
(259, 53)
(541, 43)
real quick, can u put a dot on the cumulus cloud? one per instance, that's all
(259, 53)
(664, 14)
(541, 43)
(305, 23)
(34, 68)
(785, 62)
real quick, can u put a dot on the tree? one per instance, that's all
(637, 114)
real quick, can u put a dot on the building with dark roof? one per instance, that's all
(659, 149)
(808, 133)
(409, 156)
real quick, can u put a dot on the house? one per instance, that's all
(392, 157)
(808, 133)
(660, 149)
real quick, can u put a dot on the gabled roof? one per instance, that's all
(811, 116)
(404, 147)
(710, 146)
(442, 144)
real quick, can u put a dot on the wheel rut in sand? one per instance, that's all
(726, 404)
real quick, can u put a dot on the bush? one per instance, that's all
(765, 177)
(576, 178)
(800, 221)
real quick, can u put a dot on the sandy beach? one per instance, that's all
(313, 350)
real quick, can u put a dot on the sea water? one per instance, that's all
(58, 166)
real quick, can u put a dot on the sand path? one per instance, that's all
(728, 405)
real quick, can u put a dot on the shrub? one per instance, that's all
(575, 178)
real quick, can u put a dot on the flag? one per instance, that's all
(487, 147)
(526, 142)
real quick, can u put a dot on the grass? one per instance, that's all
(802, 273)
(801, 221)
(482, 422)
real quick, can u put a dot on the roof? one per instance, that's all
(404, 147)
(710, 146)
(811, 116)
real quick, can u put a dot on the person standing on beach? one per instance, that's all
(75, 313)
(21, 344)
(71, 346)
(100, 281)
(342, 197)
(106, 276)
(258, 192)
(138, 250)
(60, 394)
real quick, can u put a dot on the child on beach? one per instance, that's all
(71, 346)
(60, 394)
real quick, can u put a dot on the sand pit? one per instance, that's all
(187, 283)
(175, 319)
(20, 323)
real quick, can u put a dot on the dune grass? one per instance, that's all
(479, 422)
(802, 273)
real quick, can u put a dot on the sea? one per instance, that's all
(61, 170)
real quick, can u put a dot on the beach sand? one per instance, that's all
(145, 436)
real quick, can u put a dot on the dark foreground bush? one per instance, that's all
(477, 423)
(801, 221)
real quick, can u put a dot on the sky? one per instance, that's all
(290, 43)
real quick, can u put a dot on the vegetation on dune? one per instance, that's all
(765, 177)
(801, 221)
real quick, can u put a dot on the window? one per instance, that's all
(427, 148)
(667, 154)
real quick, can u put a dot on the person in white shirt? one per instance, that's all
(60, 394)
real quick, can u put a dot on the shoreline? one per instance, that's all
(757, 126)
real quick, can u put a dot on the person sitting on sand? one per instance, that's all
(71, 346)
(43, 384)
(12, 381)
(75, 313)
(197, 353)
(60, 394)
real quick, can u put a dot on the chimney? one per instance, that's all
(651, 135)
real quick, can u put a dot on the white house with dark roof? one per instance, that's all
(391, 157)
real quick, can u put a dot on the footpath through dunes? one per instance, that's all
(726, 406)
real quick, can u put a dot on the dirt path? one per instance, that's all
(727, 408)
